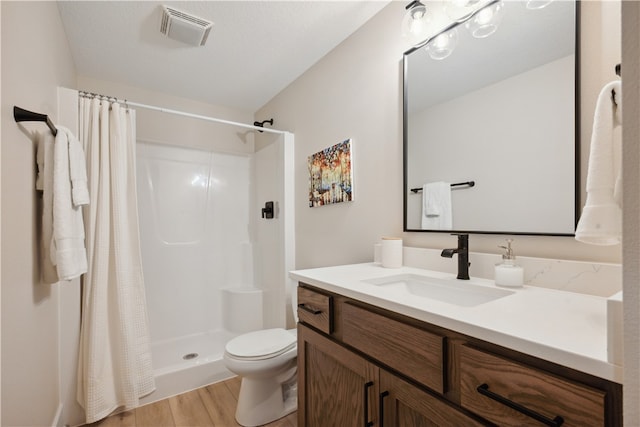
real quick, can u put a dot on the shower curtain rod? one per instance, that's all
(179, 113)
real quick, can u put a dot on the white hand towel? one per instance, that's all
(69, 253)
(78, 173)
(45, 177)
(601, 219)
(436, 206)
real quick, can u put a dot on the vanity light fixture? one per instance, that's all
(481, 22)
(416, 20)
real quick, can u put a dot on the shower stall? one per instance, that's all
(214, 265)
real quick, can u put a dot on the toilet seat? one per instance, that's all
(260, 345)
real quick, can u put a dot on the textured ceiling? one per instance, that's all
(255, 49)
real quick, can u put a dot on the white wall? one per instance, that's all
(356, 92)
(35, 60)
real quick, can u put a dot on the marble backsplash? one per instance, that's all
(591, 278)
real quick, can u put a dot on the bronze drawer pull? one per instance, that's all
(309, 310)
(381, 406)
(484, 390)
(367, 423)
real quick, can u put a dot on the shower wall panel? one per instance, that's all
(194, 225)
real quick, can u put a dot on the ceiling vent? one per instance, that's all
(183, 27)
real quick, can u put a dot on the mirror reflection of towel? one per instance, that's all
(436, 206)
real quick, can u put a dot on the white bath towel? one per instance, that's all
(601, 219)
(436, 206)
(44, 156)
(78, 173)
(69, 195)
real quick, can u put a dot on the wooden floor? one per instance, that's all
(213, 405)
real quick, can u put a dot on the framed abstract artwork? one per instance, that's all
(331, 175)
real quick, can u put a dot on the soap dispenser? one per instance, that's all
(507, 272)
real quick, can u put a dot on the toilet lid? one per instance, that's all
(264, 343)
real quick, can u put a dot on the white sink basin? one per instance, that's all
(452, 291)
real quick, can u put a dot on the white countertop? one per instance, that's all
(566, 328)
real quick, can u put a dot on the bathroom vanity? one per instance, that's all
(375, 349)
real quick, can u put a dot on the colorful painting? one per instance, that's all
(331, 176)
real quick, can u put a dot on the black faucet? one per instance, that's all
(463, 255)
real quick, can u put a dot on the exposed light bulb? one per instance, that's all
(442, 45)
(417, 13)
(417, 26)
(458, 10)
(486, 21)
(484, 17)
(415, 23)
(441, 42)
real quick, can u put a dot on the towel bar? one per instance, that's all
(22, 115)
(457, 184)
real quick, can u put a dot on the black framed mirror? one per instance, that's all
(498, 122)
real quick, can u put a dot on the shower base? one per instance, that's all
(187, 363)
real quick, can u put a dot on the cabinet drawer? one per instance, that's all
(413, 352)
(315, 309)
(512, 394)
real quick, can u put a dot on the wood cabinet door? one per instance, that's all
(335, 386)
(403, 404)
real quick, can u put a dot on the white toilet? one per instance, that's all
(266, 361)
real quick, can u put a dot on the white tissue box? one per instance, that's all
(615, 339)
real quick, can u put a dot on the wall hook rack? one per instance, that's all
(613, 91)
(22, 115)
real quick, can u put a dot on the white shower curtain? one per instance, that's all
(114, 368)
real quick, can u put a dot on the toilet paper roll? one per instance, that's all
(377, 253)
(391, 252)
